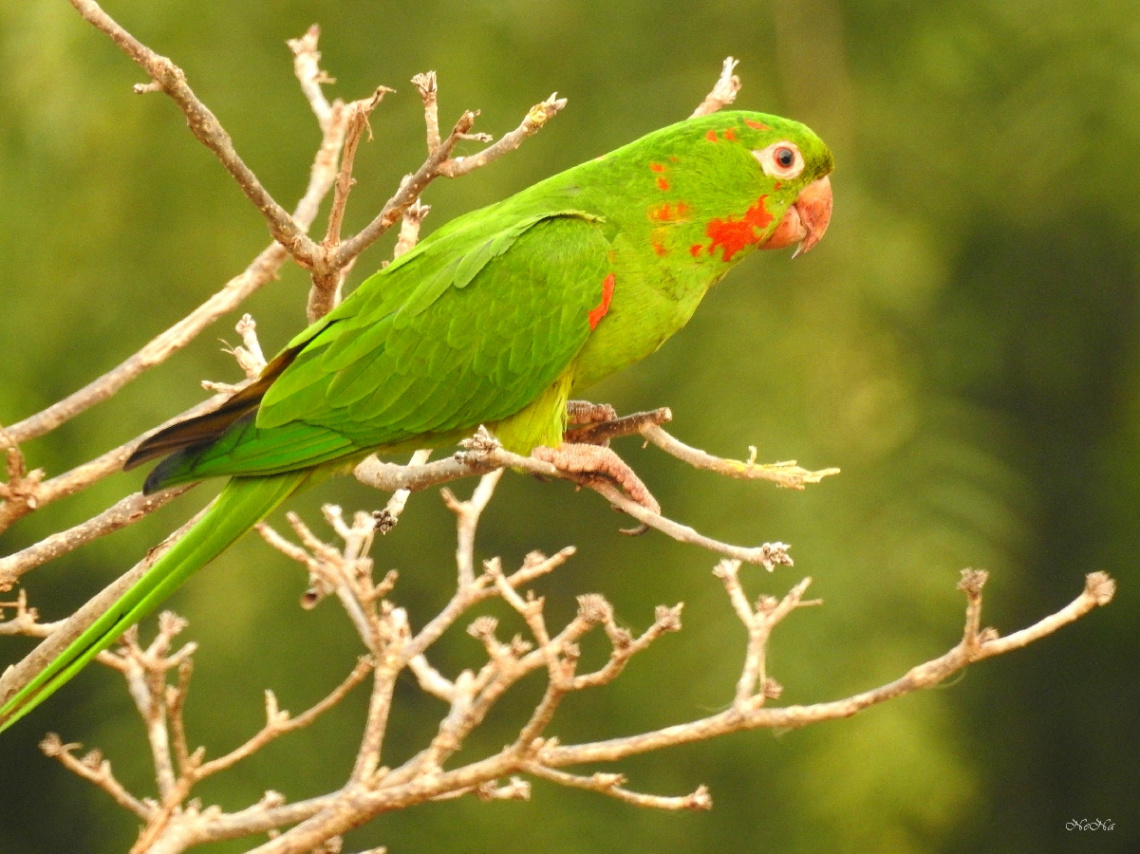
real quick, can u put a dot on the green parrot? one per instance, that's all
(496, 319)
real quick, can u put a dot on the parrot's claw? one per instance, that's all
(584, 412)
(595, 460)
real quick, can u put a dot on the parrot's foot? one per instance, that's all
(584, 412)
(600, 461)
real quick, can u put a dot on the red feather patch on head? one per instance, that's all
(729, 134)
(662, 184)
(657, 167)
(711, 136)
(756, 125)
(733, 235)
(600, 310)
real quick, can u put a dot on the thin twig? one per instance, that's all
(410, 228)
(278, 722)
(262, 270)
(428, 87)
(95, 769)
(484, 454)
(65, 631)
(467, 514)
(126, 512)
(328, 279)
(307, 67)
(1098, 591)
(205, 126)
(409, 191)
(723, 93)
(535, 119)
(610, 784)
(786, 474)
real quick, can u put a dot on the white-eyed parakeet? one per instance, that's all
(496, 319)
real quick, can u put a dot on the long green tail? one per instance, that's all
(242, 504)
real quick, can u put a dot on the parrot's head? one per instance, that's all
(806, 164)
(789, 170)
(743, 180)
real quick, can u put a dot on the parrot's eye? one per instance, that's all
(780, 160)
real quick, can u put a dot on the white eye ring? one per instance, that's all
(780, 160)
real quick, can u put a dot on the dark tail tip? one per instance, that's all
(167, 473)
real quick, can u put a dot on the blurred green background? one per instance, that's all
(963, 345)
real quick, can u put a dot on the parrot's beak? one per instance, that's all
(806, 220)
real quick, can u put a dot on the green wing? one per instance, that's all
(468, 330)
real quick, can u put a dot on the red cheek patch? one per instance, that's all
(733, 235)
(600, 310)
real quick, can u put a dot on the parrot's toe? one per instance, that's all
(600, 461)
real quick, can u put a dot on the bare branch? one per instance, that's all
(26, 623)
(410, 189)
(261, 271)
(204, 125)
(385, 520)
(534, 121)
(21, 494)
(63, 633)
(1098, 591)
(759, 623)
(768, 555)
(610, 784)
(597, 432)
(307, 67)
(468, 513)
(439, 162)
(328, 280)
(625, 646)
(534, 566)
(723, 93)
(175, 699)
(125, 512)
(278, 722)
(95, 769)
(786, 474)
(428, 87)
(431, 680)
(483, 458)
(249, 355)
(410, 228)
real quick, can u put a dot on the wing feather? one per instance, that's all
(475, 329)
